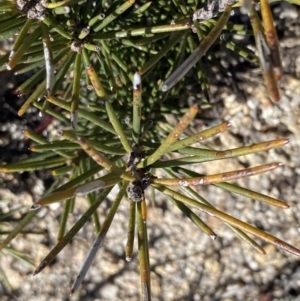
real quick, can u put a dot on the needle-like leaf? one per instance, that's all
(130, 232)
(231, 220)
(100, 237)
(218, 178)
(199, 52)
(172, 137)
(72, 232)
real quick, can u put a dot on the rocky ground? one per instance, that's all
(185, 264)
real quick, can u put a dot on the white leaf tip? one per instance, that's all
(136, 80)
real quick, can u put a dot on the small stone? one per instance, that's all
(109, 292)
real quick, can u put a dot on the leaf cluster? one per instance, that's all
(90, 61)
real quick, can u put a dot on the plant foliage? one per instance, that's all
(90, 60)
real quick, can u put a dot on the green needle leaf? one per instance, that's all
(172, 138)
(120, 10)
(143, 251)
(72, 232)
(199, 137)
(98, 241)
(231, 220)
(130, 232)
(28, 218)
(16, 57)
(217, 178)
(199, 52)
(39, 165)
(117, 126)
(82, 113)
(241, 234)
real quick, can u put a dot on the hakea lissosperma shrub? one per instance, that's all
(82, 56)
(132, 154)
